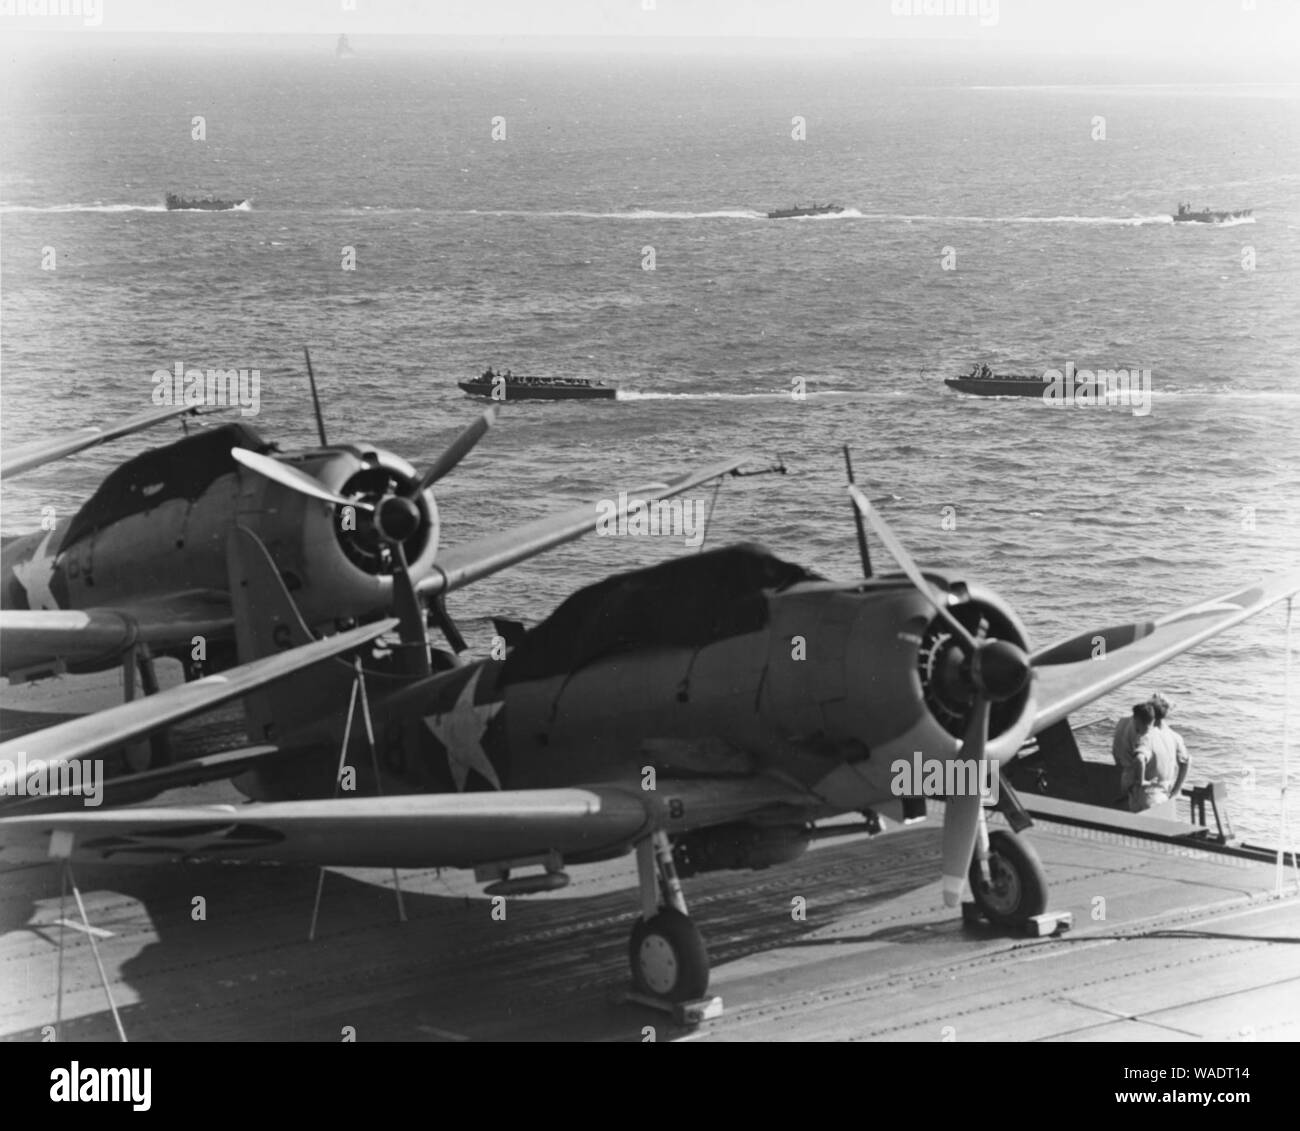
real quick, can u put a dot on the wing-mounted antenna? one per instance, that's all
(315, 399)
(777, 468)
(863, 551)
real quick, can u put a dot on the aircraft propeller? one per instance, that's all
(990, 671)
(292, 478)
(396, 518)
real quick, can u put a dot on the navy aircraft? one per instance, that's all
(139, 571)
(704, 714)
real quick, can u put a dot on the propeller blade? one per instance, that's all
(899, 553)
(962, 816)
(292, 478)
(460, 447)
(410, 617)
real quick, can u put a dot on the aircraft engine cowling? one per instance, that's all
(346, 563)
(738, 847)
(876, 676)
(944, 672)
(945, 683)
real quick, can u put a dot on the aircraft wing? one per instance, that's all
(92, 734)
(454, 830)
(35, 638)
(127, 788)
(457, 567)
(24, 457)
(1062, 688)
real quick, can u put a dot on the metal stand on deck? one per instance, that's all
(358, 691)
(61, 843)
(1213, 792)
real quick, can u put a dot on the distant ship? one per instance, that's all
(507, 387)
(1185, 215)
(810, 210)
(343, 49)
(205, 204)
(983, 382)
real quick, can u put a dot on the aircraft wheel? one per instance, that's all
(668, 957)
(1018, 887)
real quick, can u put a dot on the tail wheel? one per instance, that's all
(668, 957)
(1017, 890)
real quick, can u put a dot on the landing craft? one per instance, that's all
(1186, 214)
(703, 714)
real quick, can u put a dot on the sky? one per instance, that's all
(1232, 26)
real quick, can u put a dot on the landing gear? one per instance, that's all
(668, 957)
(670, 965)
(1016, 889)
(155, 752)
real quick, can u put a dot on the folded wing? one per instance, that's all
(24, 457)
(1062, 688)
(461, 565)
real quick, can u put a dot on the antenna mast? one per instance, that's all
(863, 552)
(315, 399)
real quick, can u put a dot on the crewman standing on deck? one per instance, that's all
(1131, 749)
(1168, 746)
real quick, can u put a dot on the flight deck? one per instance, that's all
(1168, 944)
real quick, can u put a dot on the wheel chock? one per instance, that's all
(1049, 923)
(693, 1012)
(1035, 927)
(683, 1012)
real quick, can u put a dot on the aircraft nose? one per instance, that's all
(398, 518)
(1002, 669)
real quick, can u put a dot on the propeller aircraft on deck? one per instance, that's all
(703, 714)
(139, 571)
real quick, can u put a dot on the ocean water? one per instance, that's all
(530, 252)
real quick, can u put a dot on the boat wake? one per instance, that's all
(811, 394)
(83, 208)
(634, 214)
(848, 214)
(655, 214)
(1115, 221)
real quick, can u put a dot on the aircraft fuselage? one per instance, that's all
(825, 684)
(152, 540)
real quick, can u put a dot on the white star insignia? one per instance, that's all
(460, 731)
(36, 574)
